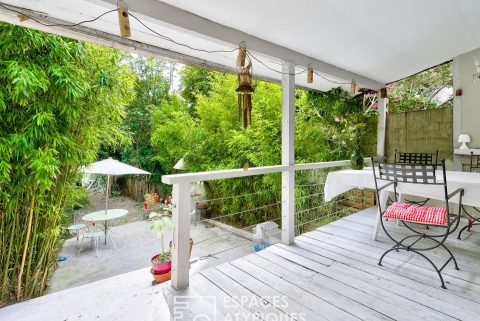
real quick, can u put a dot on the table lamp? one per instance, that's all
(180, 165)
(464, 139)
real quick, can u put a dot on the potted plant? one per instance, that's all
(354, 137)
(161, 262)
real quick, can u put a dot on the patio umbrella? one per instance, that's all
(112, 167)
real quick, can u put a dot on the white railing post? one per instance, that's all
(181, 235)
(288, 152)
(457, 112)
(382, 121)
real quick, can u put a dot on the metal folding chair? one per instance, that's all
(93, 234)
(416, 158)
(411, 214)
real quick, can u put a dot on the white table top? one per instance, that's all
(101, 216)
(469, 151)
(339, 182)
(77, 226)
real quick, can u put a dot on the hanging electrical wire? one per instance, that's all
(14, 9)
(274, 70)
(25, 16)
(179, 43)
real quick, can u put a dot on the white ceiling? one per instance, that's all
(378, 39)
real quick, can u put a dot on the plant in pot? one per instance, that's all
(354, 137)
(161, 262)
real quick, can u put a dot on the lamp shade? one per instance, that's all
(180, 164)
(464, 139)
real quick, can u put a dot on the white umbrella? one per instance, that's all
(111, 167)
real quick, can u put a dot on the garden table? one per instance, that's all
(105, 215)
(339, 182)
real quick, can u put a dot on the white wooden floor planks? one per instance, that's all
(332, 274)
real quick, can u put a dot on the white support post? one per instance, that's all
(181, 235)
(382, 121)
(457, 113)
(288, 152)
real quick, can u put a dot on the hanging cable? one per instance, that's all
(329, 80)
(13, 9)
(179, 43)
(277, 71)
(161, 36)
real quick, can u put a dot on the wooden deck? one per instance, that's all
(332, 274)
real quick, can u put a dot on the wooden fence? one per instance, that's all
(420, 131)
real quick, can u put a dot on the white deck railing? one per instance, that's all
(181, 208)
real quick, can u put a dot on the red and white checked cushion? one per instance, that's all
(417, 214)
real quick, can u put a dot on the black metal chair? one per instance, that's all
(416, 158)
(411, 214)
(472, 220)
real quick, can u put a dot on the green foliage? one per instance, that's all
(420, 92)
(151, 89)
(195, 81)
(338, 123)
(59, 101)
(214, 139)
(160, 224)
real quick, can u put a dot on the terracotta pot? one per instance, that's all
(161, 277)
(191, 245)
(161, 267)
(201, 206)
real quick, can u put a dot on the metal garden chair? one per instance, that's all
(94, 234)
(403, 176)
(416, 158)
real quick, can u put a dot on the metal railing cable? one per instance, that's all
(241, 212)
(231, 197)
(320, 206)
(229, 232)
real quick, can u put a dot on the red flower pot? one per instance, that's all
(161, 267)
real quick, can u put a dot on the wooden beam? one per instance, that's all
(288, 152)
(98, 37)
(179, 19)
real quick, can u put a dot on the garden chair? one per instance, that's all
(416, 158)
(407, 177)
(93, 234)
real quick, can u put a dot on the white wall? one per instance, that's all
(466, 117)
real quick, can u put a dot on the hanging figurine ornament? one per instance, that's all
(245, 88)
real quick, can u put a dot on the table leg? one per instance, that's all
(401, 199)
(383, 202)
(106, 232)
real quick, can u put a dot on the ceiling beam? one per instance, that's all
(183, 20)
(98, 37)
